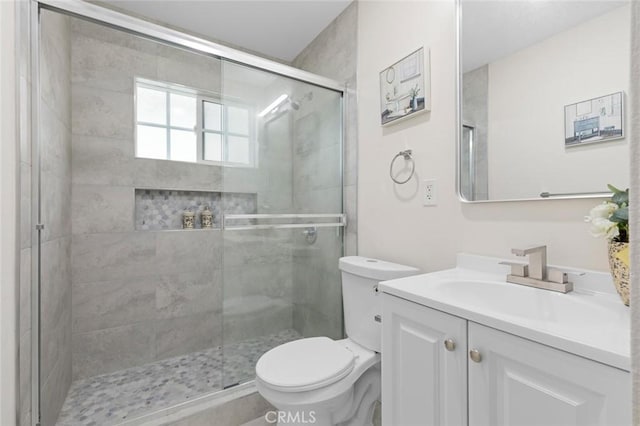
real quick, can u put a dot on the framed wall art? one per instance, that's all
(595, 120)
(404, 88)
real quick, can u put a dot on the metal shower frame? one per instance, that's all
(123, 22)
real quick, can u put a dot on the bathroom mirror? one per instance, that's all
(542, 99)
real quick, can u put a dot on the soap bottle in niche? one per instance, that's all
(188, 219)
(206, 218)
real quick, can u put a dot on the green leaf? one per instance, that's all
(621, 198)
(613, 188)
(620, 216)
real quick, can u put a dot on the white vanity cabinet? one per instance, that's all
(423, 382)
(512, 381)
(520, 382)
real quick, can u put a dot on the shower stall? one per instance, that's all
(189, 208)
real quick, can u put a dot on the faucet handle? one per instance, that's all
(518, 269)
(561, 277)
(524, 252)
(557, 276)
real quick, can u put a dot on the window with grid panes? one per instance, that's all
(186, 125)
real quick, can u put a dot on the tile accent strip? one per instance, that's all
(159, 209)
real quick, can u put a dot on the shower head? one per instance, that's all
(294, 104)
(283, 104)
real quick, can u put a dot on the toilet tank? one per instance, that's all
(361, 301)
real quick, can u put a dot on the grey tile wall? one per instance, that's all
(168, 288)
(144, 296)
(276, 183)
(97, 209)
(141, 293)
(109, 304)
(475, 111)
(55, 166)
(112, 349)
(258, 275)
(317, 294)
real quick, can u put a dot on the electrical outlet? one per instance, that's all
(429, 194)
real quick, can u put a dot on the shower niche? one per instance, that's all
(158, 209)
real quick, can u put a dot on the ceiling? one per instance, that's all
(494, 29)
(276, 29)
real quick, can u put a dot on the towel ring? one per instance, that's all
(407, 156)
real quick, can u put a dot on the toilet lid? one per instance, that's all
(305, 364)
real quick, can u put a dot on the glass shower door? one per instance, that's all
(282, 215)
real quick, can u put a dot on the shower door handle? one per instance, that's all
(339, 221)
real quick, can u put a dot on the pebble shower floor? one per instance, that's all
(110, 399)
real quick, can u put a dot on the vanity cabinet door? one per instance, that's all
(423, 382)
(518, 382)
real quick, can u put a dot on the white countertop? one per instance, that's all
(591, 321)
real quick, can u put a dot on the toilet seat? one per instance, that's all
(305, 364)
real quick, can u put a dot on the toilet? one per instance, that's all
(327, 382)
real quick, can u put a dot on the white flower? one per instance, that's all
(602, 211)
(601, 227)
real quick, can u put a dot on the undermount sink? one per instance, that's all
(590, 321)
(523, 302)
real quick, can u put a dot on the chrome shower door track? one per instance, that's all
(120, 20)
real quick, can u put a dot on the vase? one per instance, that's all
(188, 219)
(619, 266)
(206, 218)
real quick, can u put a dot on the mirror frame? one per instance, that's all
(458, 137)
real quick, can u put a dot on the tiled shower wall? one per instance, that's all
(55, 125)
(140, 296)
(318, 293)
(333, 54)
(476, 113)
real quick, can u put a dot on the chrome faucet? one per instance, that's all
(535, 274)
(537, 261)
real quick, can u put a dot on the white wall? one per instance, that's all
(8, 215)
(527, 94)
(393, 224)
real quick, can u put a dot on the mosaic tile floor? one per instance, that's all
(111, 398)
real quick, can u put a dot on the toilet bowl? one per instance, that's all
(320, 379)
(327, 382)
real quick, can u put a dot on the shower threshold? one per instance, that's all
(118, 397)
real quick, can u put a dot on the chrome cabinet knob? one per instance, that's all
(450, 344)
(475, 355)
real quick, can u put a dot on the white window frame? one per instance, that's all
(224, 133)
(199, 130)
